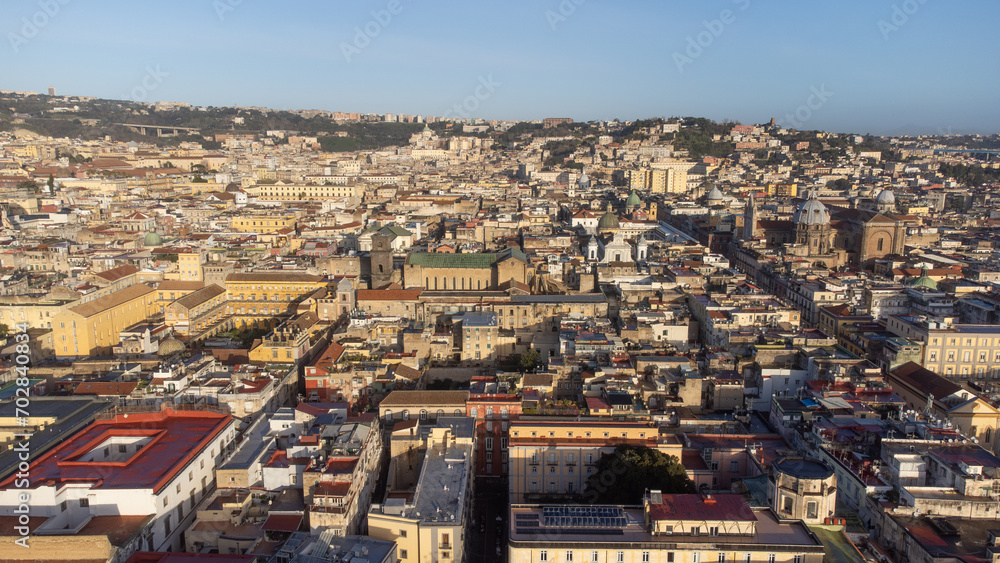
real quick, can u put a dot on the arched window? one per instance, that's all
(504, 413)
(489, 412)
(388, 415)
(454, 284)
(380, 269)
(474, 412)
(440, 413)
(989, 435)
(435, 283)
(445, 283)
(423, 414)
(458, 412)
(406, 415)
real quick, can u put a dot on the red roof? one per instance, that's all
(175, 438)
(282, 523)
(713, 507)
(389, 294)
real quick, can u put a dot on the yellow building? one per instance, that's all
(37, 312)
(300, 192)
(93, 328)
(189, 266)
(555, 459)
(783, 190)
(666, 529)
(197, 311)
(263, 223)
(430, 526)
(258, 298)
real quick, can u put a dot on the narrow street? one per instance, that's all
(487, 533)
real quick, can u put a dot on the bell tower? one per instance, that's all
(381, 261)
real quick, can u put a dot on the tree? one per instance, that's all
(52, 184)
(30, 186)
(624, 476)
(4, 330)
(529, 360)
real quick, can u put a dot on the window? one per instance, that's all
(770, 558)
(84, 503)
(695, 558)
(569, 556)
(746, 558)
(543, 555)
(734, 466)
(670, 557)
(403, 554)
(713, 530)
(645, 557)
(62, 506)
(812, 510)
(402, 533)
(798, 559)
(620, 557)
(593, 556)
(722, 558)
(122, 448)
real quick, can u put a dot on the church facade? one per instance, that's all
(831, 237)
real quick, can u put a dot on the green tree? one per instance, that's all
(52, 184)
(624, 476)
(529, 360)
(4, 330)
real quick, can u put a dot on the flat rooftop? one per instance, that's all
(169, 440)
(631, 529)
(441, 490)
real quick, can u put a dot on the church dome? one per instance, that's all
(886, 197)
(607, 222)
(715, 195)
(924, 281)
(633, 200)
(152, 239)
(584, 181)
(170, 347)
(812, 212)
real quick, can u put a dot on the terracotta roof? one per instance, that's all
(115, 274)
(389, 294)
(696, 507)
(273, 277)
(424, 398)
(106, 388)
(107, 302)
(282, 523)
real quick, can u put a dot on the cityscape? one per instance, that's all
(253, 334)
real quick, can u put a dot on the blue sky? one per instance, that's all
(930, 65)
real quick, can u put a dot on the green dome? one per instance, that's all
(608, 221)
(152, 239)
(633, 200)
(925, 281)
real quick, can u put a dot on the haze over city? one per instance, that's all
(913, 67)
(564, 281)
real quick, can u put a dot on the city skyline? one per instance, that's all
(851, 67)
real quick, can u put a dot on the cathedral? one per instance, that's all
(611, 244)
(831, 237)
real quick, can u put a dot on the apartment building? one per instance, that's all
(93, 329)
(665, 529)
(428, 519)
(555, 459)
(142, 474)
(956, 351)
